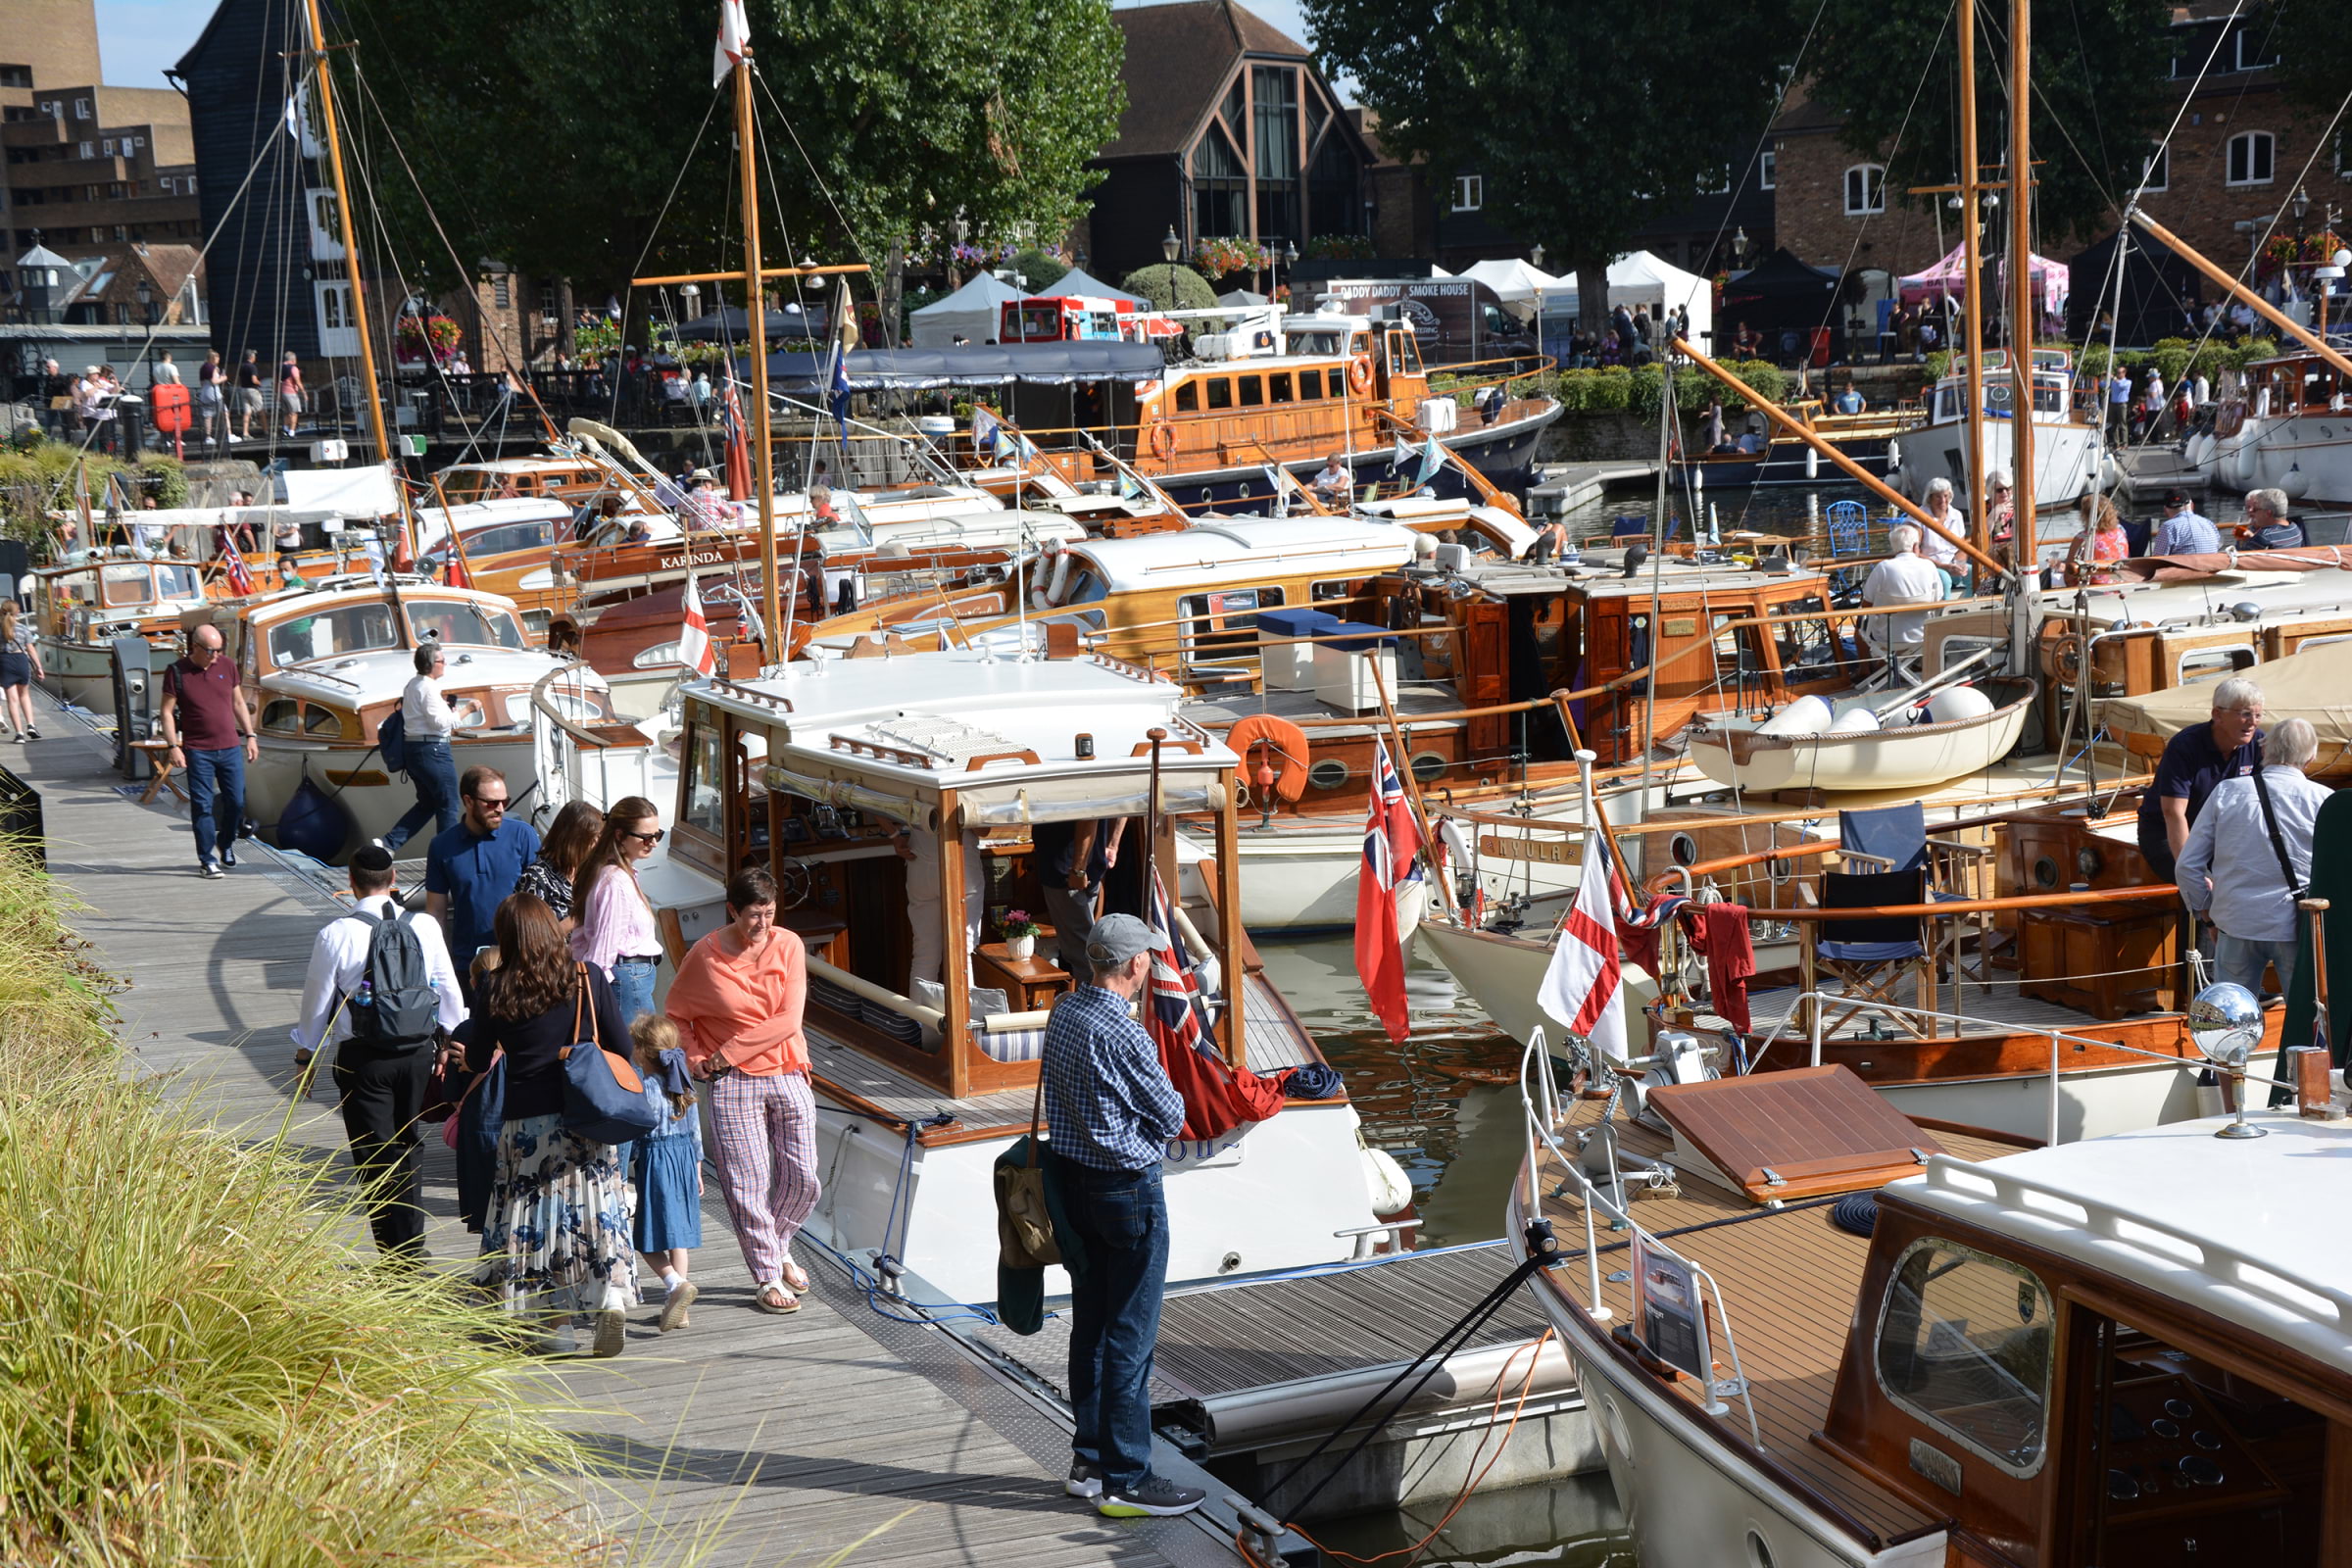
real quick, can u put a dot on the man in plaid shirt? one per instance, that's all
(1111, 1111)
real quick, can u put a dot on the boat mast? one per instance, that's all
(764, 456)
(351, 268)
(2025, 541)
(1971, 258)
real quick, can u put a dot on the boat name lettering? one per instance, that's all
(1549, 852)
(700, 558)
(1936, 1465)
(1195, 1154)
(1685, 626)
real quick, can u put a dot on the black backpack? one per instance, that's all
(392, 740)
(394, 1007)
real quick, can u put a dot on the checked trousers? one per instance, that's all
(764, 1141)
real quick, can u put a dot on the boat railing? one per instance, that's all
(1540, 1103)
(2057, 1038)
(562, 747)
(2143, 1231)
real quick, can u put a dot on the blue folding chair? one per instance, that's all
(1892, 837)
(1869, 957)
(1850, 528)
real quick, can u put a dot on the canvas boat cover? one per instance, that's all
(2178, 569)
(2315, 686)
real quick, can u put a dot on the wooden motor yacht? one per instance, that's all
(2287, 431)
(2069, 449)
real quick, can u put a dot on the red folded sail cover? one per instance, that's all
(1217, 1096)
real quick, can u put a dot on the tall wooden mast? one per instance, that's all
(1971, 260)
(2022, 312)
(755, 307)
(324, 86)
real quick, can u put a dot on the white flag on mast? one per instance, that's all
(694, 640)
(734, 40)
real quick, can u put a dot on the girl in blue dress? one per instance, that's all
(666, 1165)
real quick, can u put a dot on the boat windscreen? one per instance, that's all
(327, 633)
(463, 620)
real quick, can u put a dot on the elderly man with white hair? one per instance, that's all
(2195, 763)
(2267, 521)
(2248, 858)
(1903, 578)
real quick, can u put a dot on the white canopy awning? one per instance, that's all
(971, 313)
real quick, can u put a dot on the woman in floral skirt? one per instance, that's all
(558, 1241)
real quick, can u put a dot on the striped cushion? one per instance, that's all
(844, 1002)
(895, 1024)
(1011, 1045)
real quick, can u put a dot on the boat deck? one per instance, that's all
(1412, 699)
(1787, 1277)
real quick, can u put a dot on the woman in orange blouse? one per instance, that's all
(737, 1001)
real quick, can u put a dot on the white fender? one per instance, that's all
(1392, 1192)
(2297, 484)
(1895, 459)
(1812, 463)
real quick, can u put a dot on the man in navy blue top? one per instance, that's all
(1072, 859)
(2200, 757)
(1110, 1111)
(472, 868)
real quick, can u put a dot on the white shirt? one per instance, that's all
(2231, 844)
(425, 714)
(1939, 549)
(1903, 579)
(164, 374)
(1335, 478)
(338, 957)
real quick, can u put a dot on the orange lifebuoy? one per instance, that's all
(1359, 374)
(1163, 440)
(1288, 744)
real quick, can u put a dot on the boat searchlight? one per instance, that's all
(2225, 1021)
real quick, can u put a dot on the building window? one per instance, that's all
(1865, 190)
(190, 187)
(82, 109)
(1768, 170)
(1469, 192)
(551, 300)
(16, 76)
(2253, 52)
(1220, 186)
(109, 145)
(2157, 172)
(2250, 157)
(502, 292)
(1279, 160)
(88, 151)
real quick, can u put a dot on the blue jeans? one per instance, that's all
(1121, 1220)
(2239, 960)
(435, 777)
(216, 799)
(633, 988)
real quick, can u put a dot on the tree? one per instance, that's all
(2314, 50)
(1891, 70)
(552, 140)
(1169, 287)
(1041, 271)
(1580, 133)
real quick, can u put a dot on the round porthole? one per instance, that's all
(1612, 1423)
(1326, 773)
(2088, 863)
(1429, 766)
(2046, 871)
(1684, 847)
(1759, 1550)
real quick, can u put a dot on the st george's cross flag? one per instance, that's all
(1581, 988)
(694, 641)
(1392, 855)
(734, 40)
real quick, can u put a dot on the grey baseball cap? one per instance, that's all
(1117, 937)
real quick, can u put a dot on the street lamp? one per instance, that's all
(1534, 256)
(1739, 244)
(1171, 247)
(692, 294)
(146, 293)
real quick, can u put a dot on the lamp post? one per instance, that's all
(1171, 247)
(146, 293)
(1740, 248)
(1288, 256)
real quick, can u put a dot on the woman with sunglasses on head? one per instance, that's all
(613, 922)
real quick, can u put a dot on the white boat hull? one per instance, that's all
(2066, 458)
(1906, 756)
(2308, 455)
(79, 673)
(1269, 1195)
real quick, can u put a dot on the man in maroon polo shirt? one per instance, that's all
(207, 720)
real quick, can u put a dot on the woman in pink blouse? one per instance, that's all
(613, 923)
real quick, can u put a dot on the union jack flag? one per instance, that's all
(1174, 1017)
(233, 567)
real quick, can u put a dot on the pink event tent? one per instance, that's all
(2050, 281)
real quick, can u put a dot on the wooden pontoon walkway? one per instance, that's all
(767, 1438)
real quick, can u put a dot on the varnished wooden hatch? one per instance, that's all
(1785, 1135)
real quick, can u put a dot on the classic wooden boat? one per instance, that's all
(80, 608)
(810, 770)
(2314, 684)
(1845, 1337)
(1904, 752)
(2289, 431)
(329, 661)
(1782, 460)
(2068, 450)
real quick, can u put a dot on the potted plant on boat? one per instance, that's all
(1020, 934)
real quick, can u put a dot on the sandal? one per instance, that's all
(795, 1276)
(774, 1297)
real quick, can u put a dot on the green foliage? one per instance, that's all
(1938, 365)
(2238, 356)
(1891, 70)
(552, 138)
(1040, 270)
(37, 478)
(2172, 355)
(202, 1373)
(1567, 124)
(1170, 287)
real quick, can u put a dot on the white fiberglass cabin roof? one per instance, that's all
(2243, 1229)
(2217, 597)
(890, 716)
(1246, 550)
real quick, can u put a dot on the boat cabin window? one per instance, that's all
(2201, 665)
(463, 620)
(702, 792)
(1187, 396)
(1965, 1344)
(1225, 621)
(1278, 387)
(1254, 391)
(319, 721)
(1335, 383)
(1319, 592)
(1948, 404)
(511, 536)
(1310, 386)
(127, 585)
(1220, 393)
(1327, 342)
(281, 716)
(1404, 351)
(344, 629)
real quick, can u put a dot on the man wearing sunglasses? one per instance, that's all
(472, 868)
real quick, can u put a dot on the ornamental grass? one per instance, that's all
(196, 1363)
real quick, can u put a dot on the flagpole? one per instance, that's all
(1412, 786)
(756, 307)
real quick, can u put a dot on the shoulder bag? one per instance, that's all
(2295, 887)
(604, 1098)
(1024, 1223)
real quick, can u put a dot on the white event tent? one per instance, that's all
(971, 313)
(1643, 279)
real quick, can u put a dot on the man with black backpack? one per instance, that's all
(381, 983)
